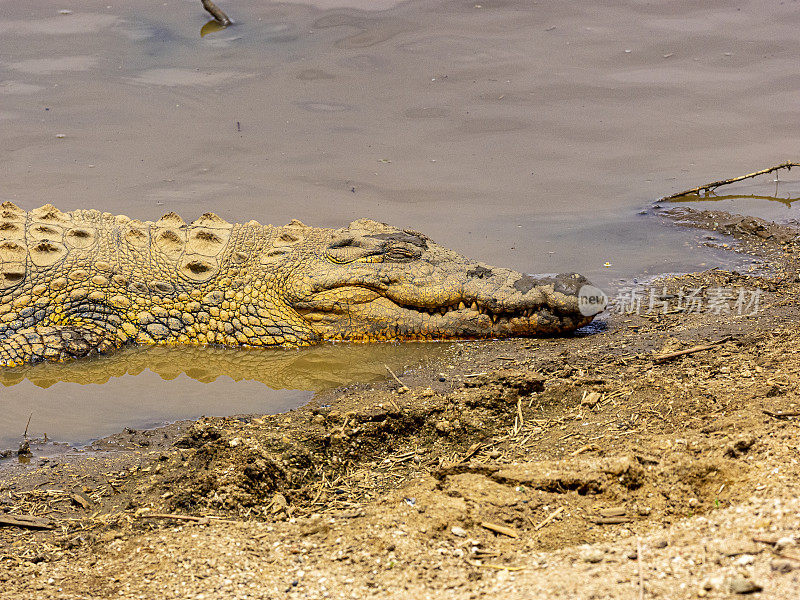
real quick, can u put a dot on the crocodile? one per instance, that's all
(85, 282)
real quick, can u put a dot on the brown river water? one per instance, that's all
(525, 134)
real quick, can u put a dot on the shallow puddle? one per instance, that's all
(145, 387)
(528, 135)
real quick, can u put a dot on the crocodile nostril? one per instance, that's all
(479, 272)
(569, 283)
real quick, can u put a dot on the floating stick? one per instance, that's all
(715, 184)
(216, 12)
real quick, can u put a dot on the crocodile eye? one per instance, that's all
(402, 254)
(346, 251)
(349, 249)
(342, 243)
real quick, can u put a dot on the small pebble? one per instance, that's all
(784, 543)
(592, 555)
(662, 543)
(712, 583)
(742, 585)
(784, 565)
(591, 399)
(744, 560)
(444, 427)
(61, 136)
(458, 531)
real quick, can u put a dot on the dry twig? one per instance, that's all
(502, 567)
(611, 520)
(664, 357)
(500, 529)
(202, 520)
(715, 184)
(471, 451)
(25, 435)
(216, 12)
(396, 378)
(26, 522)
(782, 414)
(552, 516)
(582, 449)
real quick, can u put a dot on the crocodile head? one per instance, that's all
(370, 281)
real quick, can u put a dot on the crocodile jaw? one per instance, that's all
(462, 314)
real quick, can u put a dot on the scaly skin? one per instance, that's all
(85, 282)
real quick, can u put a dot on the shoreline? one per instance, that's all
(656, 456)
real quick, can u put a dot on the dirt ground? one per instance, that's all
(605, 465)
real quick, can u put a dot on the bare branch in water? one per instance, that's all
(216, 12)
(715, 184)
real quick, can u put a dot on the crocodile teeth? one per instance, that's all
(475, 306)
(461, 306)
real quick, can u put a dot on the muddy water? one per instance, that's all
(527, 134)
(146, 387)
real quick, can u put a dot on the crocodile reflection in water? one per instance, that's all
(314, 369)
